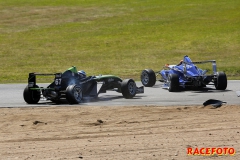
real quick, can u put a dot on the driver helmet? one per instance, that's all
(82, 74)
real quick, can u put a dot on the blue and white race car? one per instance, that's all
(185, 75)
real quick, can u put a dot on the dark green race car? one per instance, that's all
(72, 87)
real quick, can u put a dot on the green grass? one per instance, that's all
(119, 37)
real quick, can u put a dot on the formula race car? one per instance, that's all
(73, 87)
(185, 75)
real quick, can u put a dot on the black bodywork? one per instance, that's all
(71, 87)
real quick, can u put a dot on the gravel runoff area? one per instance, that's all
(124, 132)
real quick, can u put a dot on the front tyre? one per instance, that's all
(221, 81)
(148, 78)
(31, 96)
(173, 82)
(128, 88)
(74, 94)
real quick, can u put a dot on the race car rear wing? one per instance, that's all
(32, 77)
(214, 65)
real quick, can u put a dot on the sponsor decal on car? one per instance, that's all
(110, 80)
(30, 84)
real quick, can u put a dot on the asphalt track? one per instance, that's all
(11, 95)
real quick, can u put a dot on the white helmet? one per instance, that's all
(82, 74)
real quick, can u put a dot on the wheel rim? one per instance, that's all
(132, 88)
(168, 82)
(145, 78)
(77, 92)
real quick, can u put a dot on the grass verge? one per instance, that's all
(120, 38)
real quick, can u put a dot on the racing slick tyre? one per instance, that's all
(221, 81)
(31, 96)
(128, 88)
(74, 94)
(148, 78)
(173, 80)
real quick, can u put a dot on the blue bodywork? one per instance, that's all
(189, 74)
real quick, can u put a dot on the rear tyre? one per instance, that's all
(31, 96)
(173, 80)
(148, 78)
(74, 94)
(221, 81)
(128, 88)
